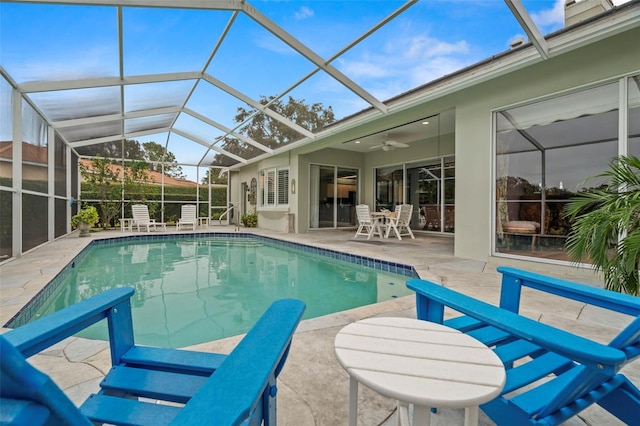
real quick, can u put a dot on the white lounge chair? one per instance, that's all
(141, 218)
(366, 224)
(400, 223)
(188, 217)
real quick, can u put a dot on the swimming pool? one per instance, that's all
(192, 288)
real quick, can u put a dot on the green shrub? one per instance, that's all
(88, 215)
(250, 220)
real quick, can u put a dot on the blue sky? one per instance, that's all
(429, 40)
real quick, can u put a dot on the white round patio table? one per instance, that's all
(420, 363)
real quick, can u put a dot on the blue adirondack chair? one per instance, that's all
(551, 374)
(239, 388)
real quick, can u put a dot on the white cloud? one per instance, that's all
(435, 68)
(303, 13)
(549, 19)
(423, 46)
(403, 63)
(365, 67)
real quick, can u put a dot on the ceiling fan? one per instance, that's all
(389, 145)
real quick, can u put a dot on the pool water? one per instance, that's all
(189, 291)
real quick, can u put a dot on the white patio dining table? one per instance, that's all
(382, 221)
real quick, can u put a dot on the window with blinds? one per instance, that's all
(283, 186)
(274, 188)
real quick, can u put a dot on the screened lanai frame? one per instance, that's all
(105, 108)
(120, 111)
(96, 110)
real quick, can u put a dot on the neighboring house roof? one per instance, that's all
(38, 155)
(30, 153)
(153, 176)
(6, 149)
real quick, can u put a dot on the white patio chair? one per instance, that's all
(400, 223)
(141, 218)
(366, 224)
(188, 217)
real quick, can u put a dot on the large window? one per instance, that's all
(273, 190)
(544, 152)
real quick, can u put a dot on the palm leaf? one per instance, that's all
(606, 226)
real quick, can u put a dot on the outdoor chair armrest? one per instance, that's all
(113, 304)
(20, 412)
(246, 380)
(431, 299)
(513, 280)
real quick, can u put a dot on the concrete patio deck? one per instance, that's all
(313, 388)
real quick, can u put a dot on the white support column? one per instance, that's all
(16, 220)
(162, 194)
(198, 192)
(208, 174)
(67, 153)
(79, 185)
(51, 181)
(623, 114)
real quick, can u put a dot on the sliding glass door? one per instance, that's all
(333, 197)
(389, 191)
(428, 185)
(431, 189)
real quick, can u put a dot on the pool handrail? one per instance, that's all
(225, 213)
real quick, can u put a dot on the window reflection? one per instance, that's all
(35, 174)
(544, 152)
(6, 134)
